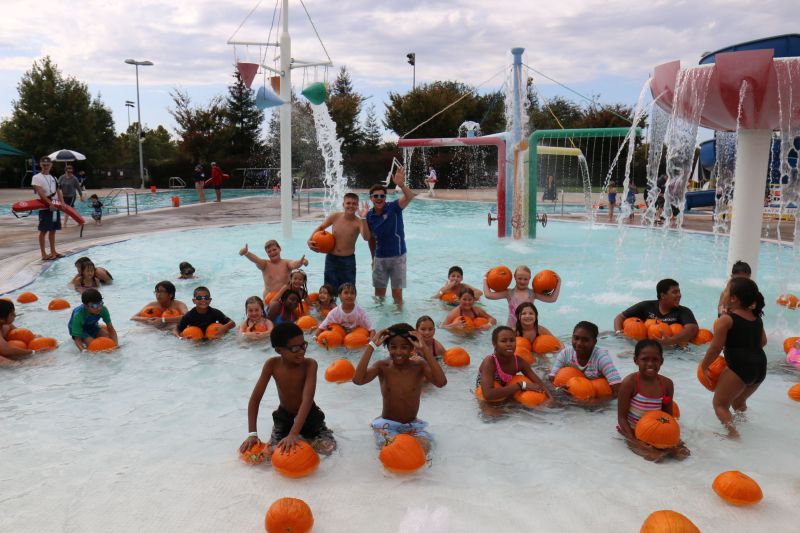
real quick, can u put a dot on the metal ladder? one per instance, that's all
(108, 200)
(176, 183)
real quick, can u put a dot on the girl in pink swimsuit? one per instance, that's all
(427, 329)
(520, 293)
(502, 365)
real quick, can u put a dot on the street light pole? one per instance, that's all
(412, 60)
(129, 105)
(139, 114)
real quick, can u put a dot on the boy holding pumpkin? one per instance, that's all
(340, 263)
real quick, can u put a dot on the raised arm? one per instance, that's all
(364, 373)
(297, 263)
(260, 263)
(362, 214)
(399, 179)
(553, 296)
(492, 295)
(432, 370)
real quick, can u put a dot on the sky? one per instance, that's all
(600, 48)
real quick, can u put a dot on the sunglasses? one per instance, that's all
(97, 305)
(299, 348)
(203, 298)
(379, 196)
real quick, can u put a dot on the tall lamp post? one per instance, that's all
(139, 114)
(129, 105)
(412, 60)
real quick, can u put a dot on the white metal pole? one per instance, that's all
(752, 162)
(139, 129)
(286, 123)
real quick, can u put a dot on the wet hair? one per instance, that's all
(94, 196)
(466, 290)
(6, 308)
(186, 269)
(425, 318)
(644, 343)
(86, 264)
(287, 293)
(401, 329)
(740, 267)
(200, 289)
(455, 268)
(498, 330)
(347, 285)
(524, 268)
(591, 327)
(167, 286)
(304, 286)
(254, 300)
(518, 312)
(80, 260)
(330, 290)
(91, 296)
(663, 286)
(378, 187)
(350, 196)
(282, 333)
(747, 292)
(271, 242)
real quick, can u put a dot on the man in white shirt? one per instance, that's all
(46, 187)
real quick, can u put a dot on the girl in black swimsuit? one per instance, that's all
(741, 333)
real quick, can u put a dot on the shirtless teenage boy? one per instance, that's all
(274, 269)
(340, 263)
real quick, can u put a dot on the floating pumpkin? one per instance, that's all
(449, 298)
(668, 522)
(456, 356)
(355, 340)
(788, 343)
(58, 304)
(530, 398)
(499, 278)
(215, 330)
(676, 411)
(192, 332)
(313, 297)
(524, 354)
(545, 281)
(338, 328)
(546, 344)
(480, 321)
(27, 297)
(650, 321)
(479, 392)
(675, 328)
(787, 300)
(289, 515)
(102, 344)
(658, 331)
(330, 339)
(360, 330)
(658, 429)
(402, 455)
(260, 328)
(524, 343)
(151, 311)
(324, 241)
(467, 323)
(794, 391)
(307, 323)
(601, 388)
(565, 374)
(714, 371)
(20, 334)
(43, 343)
(737, 488)
(18, 344)
(255, 454)
(340, 371)
(580, 388)
(703, 336)
(300, 461)
(171, 313)
(269, 296)
(634, 328)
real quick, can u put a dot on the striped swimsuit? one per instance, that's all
(640, 403)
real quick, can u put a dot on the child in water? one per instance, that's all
(326, 300)
(740, 269)
(203, 315)
(347, 314)
(461, 318)
(401, 377)
(584, 355)
(297, 416)
(87, 278)
(427, 329)
(286, 308)
(97, 210)
(255, 326)
(455, 282)
(741, 333)
(166, 302)
(644, 391)
(502, 365)
(528, 322)
(7, 316)
(84, 322)
(520, 293)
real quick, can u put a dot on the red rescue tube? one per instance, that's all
(36, 204)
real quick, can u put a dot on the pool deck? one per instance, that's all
(20, 261)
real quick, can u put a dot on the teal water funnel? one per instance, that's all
(266, 97)
(316, 93)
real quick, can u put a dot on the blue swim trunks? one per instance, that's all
(340, 269)
(385, 429)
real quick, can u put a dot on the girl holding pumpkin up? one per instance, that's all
(521, 292)
(467, 316)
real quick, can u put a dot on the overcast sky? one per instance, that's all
(597, 47)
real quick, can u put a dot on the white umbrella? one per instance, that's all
(66, 155)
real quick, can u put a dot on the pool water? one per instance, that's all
(145, 438)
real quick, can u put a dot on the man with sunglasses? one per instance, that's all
(46, 187)
(384, 224)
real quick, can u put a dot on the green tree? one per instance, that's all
(244, 119)
(372, 131)
(158, 146)
(307, 160)
(202, 131)
(54, 111)
(344, 106)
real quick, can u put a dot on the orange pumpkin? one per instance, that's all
(788, 343)
(58, 304)
(467, 324)
(524, 343)
(634, 328)
(324, 241)
(456, 356)
(650, 321)
(737, 488)
(499, 278)
(27, 297)
(330, 339)
(668, 522)
(43, 343)
(20, 334)
(338, 328)
(402, 455)
(269, 296)
(703, 336)
(260, 328)
(307, 323)
(303, 308)
(313, 297)
(289, 515)
(524, 354)
(601, 388)
(675, 328)
(659, 330)
(676, 411)
(300, 461)
(565, 374)
(787, 300)
(215, 330)
(546, 344)
(361, 330)
(355, 340)
(658, 429)
(479, 393)
(714, 371)
(171, 313)
(102, 344)
(151, 311)
(530, 398)
(480, 321)
(545, 281)
(192, 332)
(340, 371)
(580, 388)
(18, 344)
(256, 454)
(794, 391)
(449, 298)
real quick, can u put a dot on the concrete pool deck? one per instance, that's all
(20, 260)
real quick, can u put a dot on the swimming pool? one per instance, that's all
(145, 438)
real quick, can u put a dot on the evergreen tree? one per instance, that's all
(243, 118)
(344, 105)
(372, 130)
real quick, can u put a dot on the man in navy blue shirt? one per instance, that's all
(384, 224)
